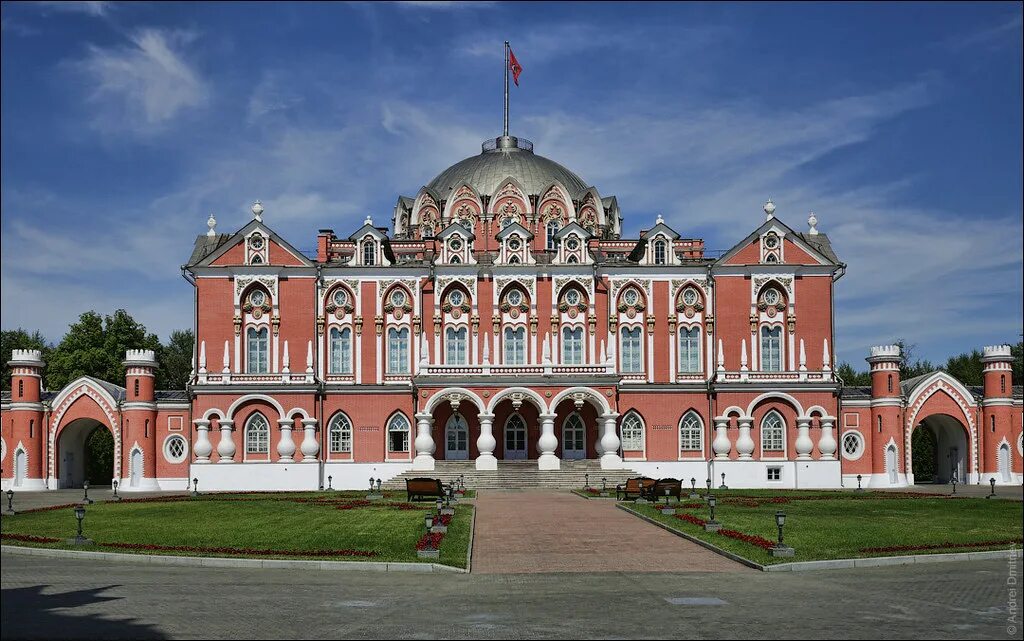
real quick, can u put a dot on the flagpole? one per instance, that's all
(506, 90)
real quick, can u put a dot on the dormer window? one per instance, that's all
(659, 252)
(771, 241)
(369, 255)
(256, 241)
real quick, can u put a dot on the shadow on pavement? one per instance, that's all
(27, 613)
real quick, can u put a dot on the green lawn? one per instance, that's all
(840, 526)
(255, 521)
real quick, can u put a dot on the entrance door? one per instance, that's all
(890, 465)
(69, 466)
(456, 439)
(136, 468)
(574, 438)
(515, 438)
(20, 467)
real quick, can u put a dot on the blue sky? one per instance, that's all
(125, 125)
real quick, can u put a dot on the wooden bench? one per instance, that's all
(656, 492)
(633, 488)
(422, 488)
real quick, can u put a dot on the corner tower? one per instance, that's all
(25, 445)
(997, 415)
(887, 454)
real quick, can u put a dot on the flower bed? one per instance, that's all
(942, 546)
(28, 538)
(430, 541)
(689, 518)
(150, 547)
(752, 539)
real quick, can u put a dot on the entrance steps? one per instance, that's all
(518, 475)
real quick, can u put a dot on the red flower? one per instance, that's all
(941, 546)
(28, 538)
(430, 541)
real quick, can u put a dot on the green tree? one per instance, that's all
(851, 377)
(176, 361)
(95, 346)
(966, 368)
(13, 339)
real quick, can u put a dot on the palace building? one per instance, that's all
(503, 317)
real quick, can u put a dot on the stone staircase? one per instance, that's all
(518, 475)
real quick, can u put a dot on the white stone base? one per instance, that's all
(423, 463)
(258, 476)
(486, 462)
(124, 486)
(27, 485)
(746, 474)
(356, 476)
(613, 462)
(549, 462)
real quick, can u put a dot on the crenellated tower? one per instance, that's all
(139, 416)
(886, 432)
(25, 454)
(996, 434)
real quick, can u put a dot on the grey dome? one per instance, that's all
(501, 158)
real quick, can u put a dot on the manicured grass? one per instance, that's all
(842, 525)
(255, 521)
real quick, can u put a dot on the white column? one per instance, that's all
(721, 445)
(610, 459)
(310, 447)
(485, 443)
(745, 444)
(226, 447)
(804, 444)
(547, 444)
(424, 460)
(285, 446)
(203, 448)
(827, 442)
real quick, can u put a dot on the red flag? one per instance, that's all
(514, 66)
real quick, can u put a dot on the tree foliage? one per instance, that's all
(175, 360)
(95, 346)
(966, 367)
(13, 339)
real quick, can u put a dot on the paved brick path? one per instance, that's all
(547, 531)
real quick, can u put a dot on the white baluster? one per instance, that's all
(803, 444)
(745, 444)
(547, 444)
(486, 443)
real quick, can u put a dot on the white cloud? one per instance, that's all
(95, 9)
(140, 87)
(991, 36)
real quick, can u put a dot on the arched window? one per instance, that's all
(21, 389)
(513, 259)
(992, 421)
(552, 228)
(632, 432)
(659, 252)
(341, 351)
(689, 349)
(1002, 383)
(773, 430)
(136, 386)
(398, 433)
(257, 434)
(572, 345)
(515, 345)
(771, 349)
(455, 260)
(398, 350)
(258, 350)
(340, 434)
(691, 432)
(632, 350)
(890, 383)
(879, 424)
(572, 260)
(369, 255)
(455, 343)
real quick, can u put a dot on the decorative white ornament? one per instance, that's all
(257, 211)
(743, 355)
(812, 222)
(285, 361)
(769, 209)
(309, 357)
(202, 357)
(211, 222)
(227, 361)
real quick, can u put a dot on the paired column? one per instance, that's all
(610, 459)
(310, 446)
(745, 444)
(547, 444)
(486, 443)
(803, 444)
(424, 461)
(286, 446)
(827, 442)
(226, 447)
(721, 445)
(202, 448)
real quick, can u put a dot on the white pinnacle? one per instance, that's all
(769, 209)
(812, 222)
(211, 222)
(257, 211)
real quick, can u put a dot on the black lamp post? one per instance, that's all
(378, 486)
(195, 486)
(586, 481)
(85, 486)
(780, 548)
(992, 483)
(712, 525)
(954, 485)
(10, 502)
(330, 480)
(116, 497)
(371, 485)
(709, 485)
(462, 481)
(723, 487)
(859, 488)
(79, 539)
(428, 520)
(693, 488)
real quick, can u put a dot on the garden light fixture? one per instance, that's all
(85, 487)
(780, 548)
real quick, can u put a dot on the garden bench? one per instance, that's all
(421, 488)
(633, 488)
(657, 490)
